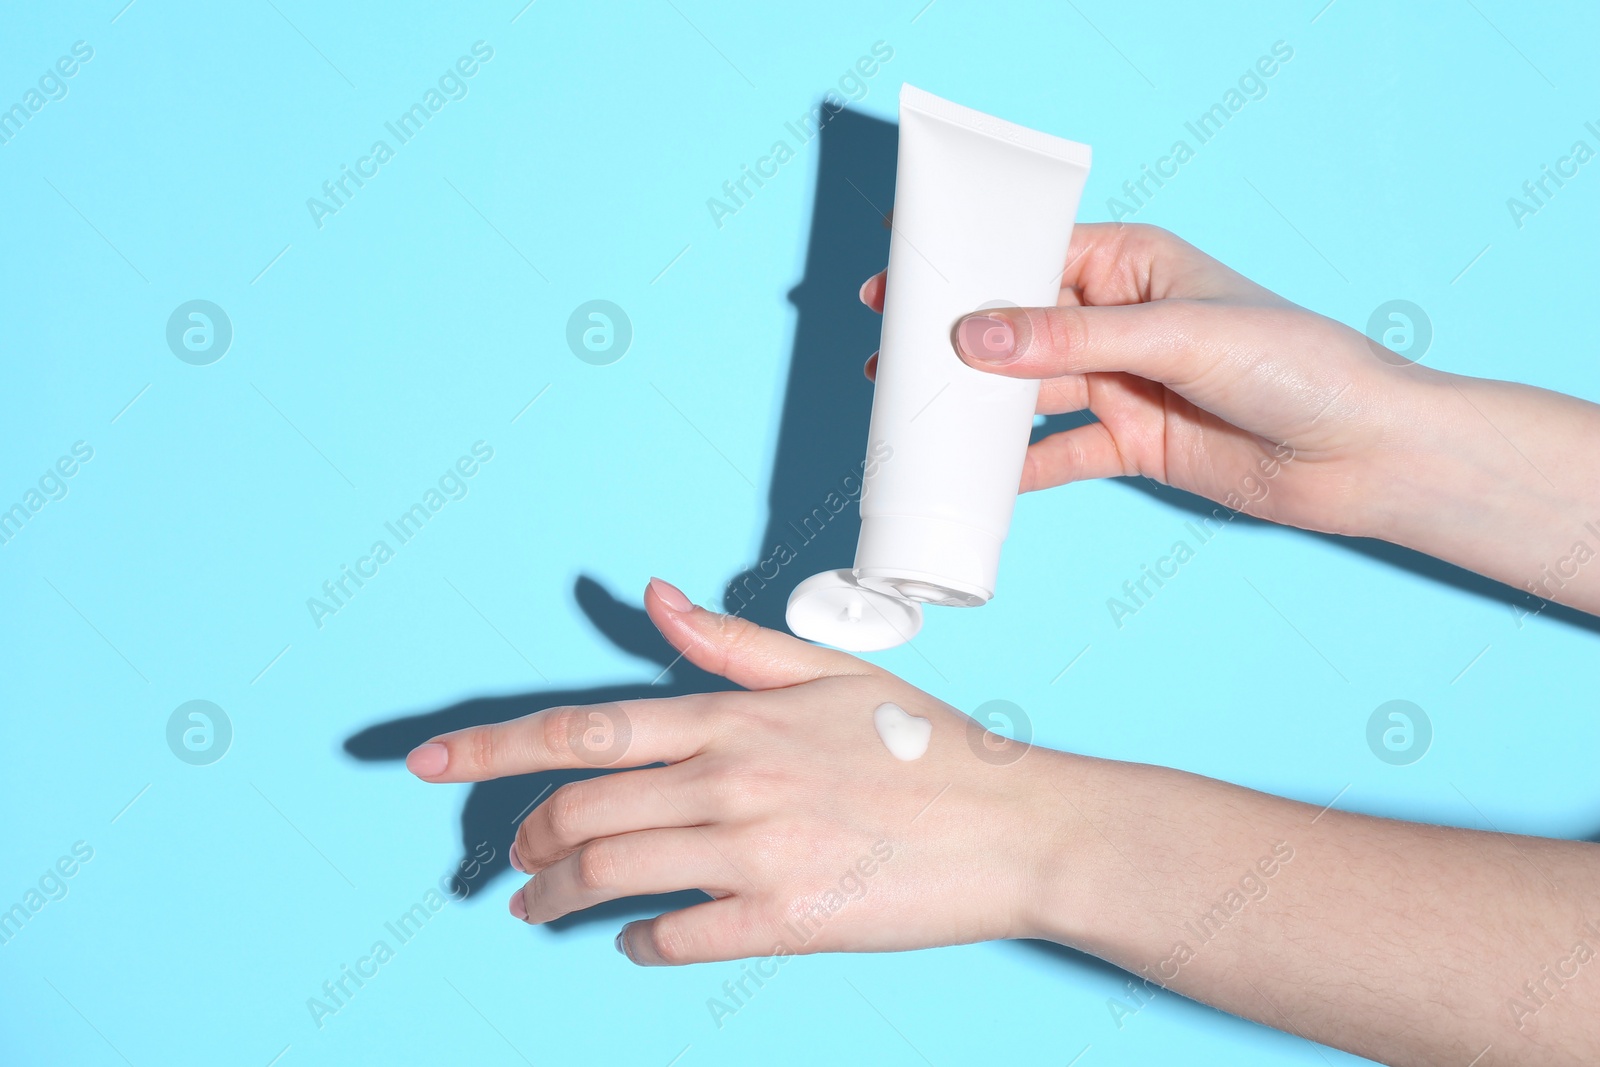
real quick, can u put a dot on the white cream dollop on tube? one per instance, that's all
(905, 735)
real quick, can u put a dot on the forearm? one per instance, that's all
(1502, 479)
(1407, 943)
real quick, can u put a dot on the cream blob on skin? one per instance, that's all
(905, 735)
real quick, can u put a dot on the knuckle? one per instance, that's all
(482, 747)
(672, 940)
(801, 910)
(733, 716)
(1183, 319)
(1143, 242)
(740, 631)
(535, 893)
(559, 725)
(528, 849)
(1185, 333)
(566, 811)
(734, 635)
(598, 866)
(738, 789)
(1062, 332)
(1148, 234)
(767, 854)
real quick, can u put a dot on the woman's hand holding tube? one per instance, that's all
(1203, 380)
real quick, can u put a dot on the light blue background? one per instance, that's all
(377, 349)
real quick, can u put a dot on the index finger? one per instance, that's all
(1114, 263)
(626, 734)
(1111, 263)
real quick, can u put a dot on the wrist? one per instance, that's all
(1073, 867)
(1413, 467)
(1483, 474)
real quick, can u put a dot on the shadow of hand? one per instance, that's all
(494, 809)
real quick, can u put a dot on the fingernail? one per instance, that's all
(518, 908)
(516, 861)
(987, 338)
(619, 943)
(429, 760)
(670, 595)
(861, 294)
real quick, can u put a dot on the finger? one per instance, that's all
(630, 865)
(1070, 393)
(1057, 396)
(579, 812)
(1173, 342)
(1074, 455)
(629, 734)
(872, 290)
(1129, 263)
(728, 929)
(738, 649)
(871, 368)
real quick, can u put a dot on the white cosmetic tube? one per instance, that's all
(983, 216)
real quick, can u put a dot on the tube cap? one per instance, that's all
(832, 609)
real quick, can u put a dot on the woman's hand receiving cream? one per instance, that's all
(784, 805)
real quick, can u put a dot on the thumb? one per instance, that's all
(1167, 341)
(738, 649)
